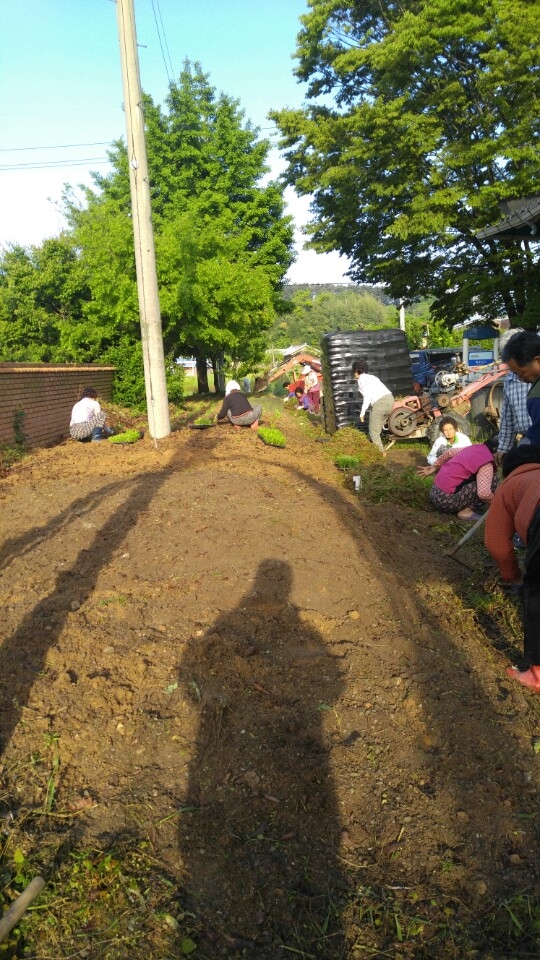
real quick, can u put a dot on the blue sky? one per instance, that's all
(62, 95)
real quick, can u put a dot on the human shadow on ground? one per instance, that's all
(23, 654)
(261, 792)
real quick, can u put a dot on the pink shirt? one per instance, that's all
(463, 466)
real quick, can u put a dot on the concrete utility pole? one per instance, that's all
(402, 314)
(145, 257)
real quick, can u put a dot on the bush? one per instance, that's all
(271, 436)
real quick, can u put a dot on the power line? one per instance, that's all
(57, 146)
(53, 164)
(160, 33)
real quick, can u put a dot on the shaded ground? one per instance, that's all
(276, 692)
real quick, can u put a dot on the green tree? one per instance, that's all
(311, 315)
(435, 119)
(42, 293)
(223, 242)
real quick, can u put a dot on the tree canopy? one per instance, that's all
(223, 245)
(310, 315)
(421, 116)
(223, 242)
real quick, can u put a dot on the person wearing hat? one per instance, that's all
(312, 387)
(237, 409)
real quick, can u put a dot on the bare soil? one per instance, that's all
(279, 690)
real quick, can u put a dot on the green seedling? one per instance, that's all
(345, 462)
(271, 436)
(129, 436)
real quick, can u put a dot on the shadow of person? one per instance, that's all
(259, 844)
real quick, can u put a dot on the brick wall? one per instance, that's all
(46, 393)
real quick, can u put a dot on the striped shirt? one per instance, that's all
(514, 416)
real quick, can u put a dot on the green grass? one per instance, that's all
(405, 487)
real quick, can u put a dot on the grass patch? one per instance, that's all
(405, 487)
(345, 461)
(271, 436)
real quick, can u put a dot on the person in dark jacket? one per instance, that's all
(237, 409)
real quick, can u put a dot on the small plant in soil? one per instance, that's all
(345, 462)
(129, 436)
(271, 436)
(204, 422)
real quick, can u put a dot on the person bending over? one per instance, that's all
(465, 480)
(237, 409)
(516, 506)
(376, 398)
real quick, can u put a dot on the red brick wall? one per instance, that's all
(46, 393)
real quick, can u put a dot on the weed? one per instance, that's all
(18, 432)
(51, 744)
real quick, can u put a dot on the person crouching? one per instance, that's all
(88, 419)
(237, 409)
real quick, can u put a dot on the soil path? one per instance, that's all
(271, 681)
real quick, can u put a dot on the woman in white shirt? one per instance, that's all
(450, 439)
(88, 419)
(375, 397)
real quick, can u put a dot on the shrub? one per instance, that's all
(271, 436)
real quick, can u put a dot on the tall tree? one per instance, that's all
(223, 242)
(43, 291)
(434, 120)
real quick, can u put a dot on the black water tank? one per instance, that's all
(387, 354)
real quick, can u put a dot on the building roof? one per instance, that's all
(521, 221)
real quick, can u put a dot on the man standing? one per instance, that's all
(515, 420)
(376, 397)
(522, 354)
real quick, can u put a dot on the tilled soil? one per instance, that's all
(271, 681)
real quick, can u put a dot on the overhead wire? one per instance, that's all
(51, 164)
(165, 53)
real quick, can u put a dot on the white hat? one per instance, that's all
(230, 386)
(306, 369)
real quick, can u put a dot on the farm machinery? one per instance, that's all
(454, 393)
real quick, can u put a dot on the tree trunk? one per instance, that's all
(202, 374)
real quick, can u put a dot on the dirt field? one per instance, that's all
(276, 694)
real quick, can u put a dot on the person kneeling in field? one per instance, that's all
(237, 409)
(516, 508)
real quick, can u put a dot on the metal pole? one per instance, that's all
(145, 257)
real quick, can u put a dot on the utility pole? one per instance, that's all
(145, 257)
(402, 314)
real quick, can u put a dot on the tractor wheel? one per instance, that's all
(433, 431)
(403, 422)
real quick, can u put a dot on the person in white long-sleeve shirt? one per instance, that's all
(376, 398)
(450, 439)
